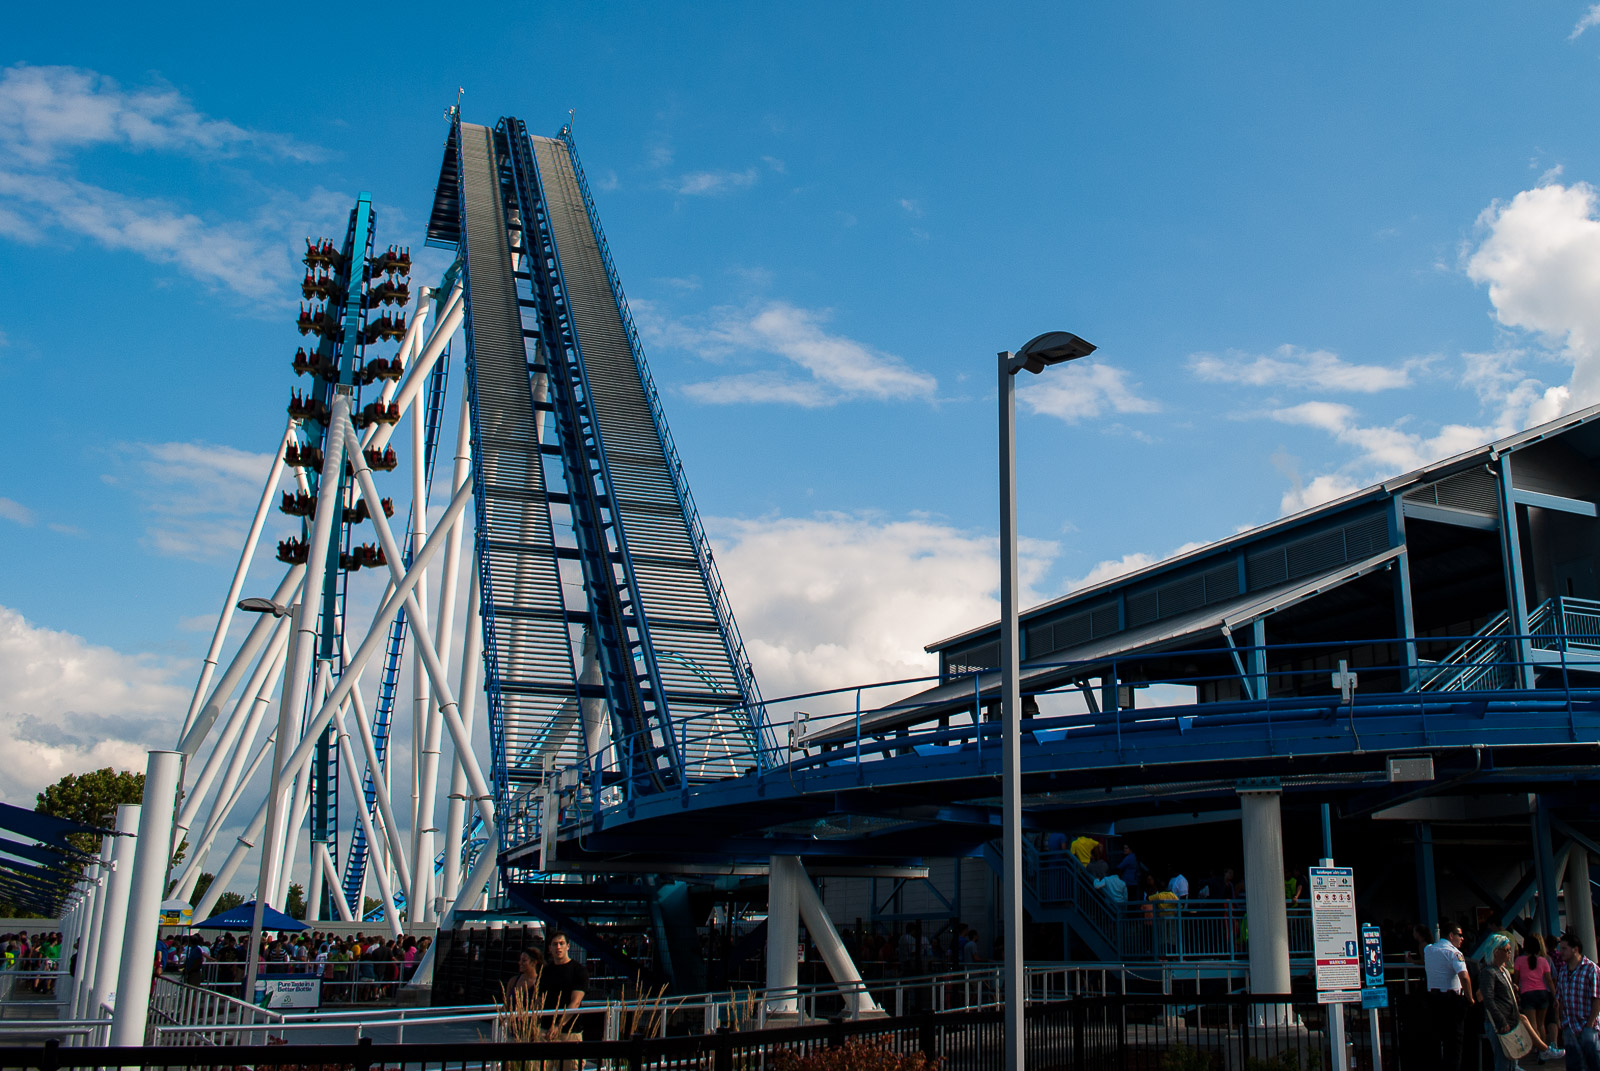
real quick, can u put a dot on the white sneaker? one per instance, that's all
(1552, 1053)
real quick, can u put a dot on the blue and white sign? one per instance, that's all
(1335, 937)
(289, 991)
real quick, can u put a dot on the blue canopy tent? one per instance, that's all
(241, 917)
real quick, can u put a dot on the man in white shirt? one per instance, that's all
(1449, 994)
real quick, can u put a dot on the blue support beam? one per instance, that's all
(1427, 893)
(1516, 591)
(1546, 868)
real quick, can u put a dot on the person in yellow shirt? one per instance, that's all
(1083, 849)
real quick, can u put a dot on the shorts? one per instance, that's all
(1535, 1000)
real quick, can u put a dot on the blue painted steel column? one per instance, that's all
(1258, 657)
(1516, 594)
(1404, 618)
(1427, 894)
(1544, 865)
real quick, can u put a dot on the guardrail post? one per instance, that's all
(364, 1054)
(925, 1038)
(722, 1051)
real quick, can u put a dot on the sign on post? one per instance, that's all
(286, 991)
(1374, 994)
(1335, 936)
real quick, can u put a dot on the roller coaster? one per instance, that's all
(1398, 653)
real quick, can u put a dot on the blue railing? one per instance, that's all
(949, 716)
(1139, 930)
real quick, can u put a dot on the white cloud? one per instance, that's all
(1292, 367)
(1540, 259)
(232, 255)
(1082, 390)
(15, 511)
(837, 368)
(198, 497)
(1383, 451)
(70, 706)
(1128, 563)
(1590, 19)
(1324, 488)
(857, 597)
(710, 183)
(912, 207)
(46, 112)
(49, 114)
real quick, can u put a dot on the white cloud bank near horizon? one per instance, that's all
(67, 706)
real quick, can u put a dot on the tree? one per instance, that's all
(201, 884)
(227, 902)
(295, 906)
(91, 799)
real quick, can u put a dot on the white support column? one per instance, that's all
(380, 788)
(209, 666)
(1580, 899)
(783, 941)
(331, 872)
(83, 982)
(238, 775)
(420, 694)
(456, 811)
(301, 657)
(319, 848)
(416, 375)
(151, 861)
(423, 905)
(1268, 919)
(375, 846)
(471, 890)
(238, 732)
(108, 964)
(829, 945)
(287, 591)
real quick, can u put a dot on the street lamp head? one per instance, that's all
(264, 606)
(1052, 347)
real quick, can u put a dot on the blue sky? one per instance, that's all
(1315, 248)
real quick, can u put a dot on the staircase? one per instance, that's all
(1490, 661)
(1064, 893)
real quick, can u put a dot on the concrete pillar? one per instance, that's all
(151, 861)
(783, 939)
(1263, 880)
(118, 884)
(1580, 901)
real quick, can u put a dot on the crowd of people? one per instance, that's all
(1534, 1006)
(33, 952)
(352, 968)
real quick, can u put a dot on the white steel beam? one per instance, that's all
(228, 604)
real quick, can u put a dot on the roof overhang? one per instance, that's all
(1076, 662)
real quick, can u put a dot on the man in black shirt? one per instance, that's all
(563, 981)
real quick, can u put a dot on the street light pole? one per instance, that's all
(1054, 347)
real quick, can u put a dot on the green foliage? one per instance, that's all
(1183, 1058)
(201, 884)
(91, 799)
(369, 904)
(295, 906)
(226, 902)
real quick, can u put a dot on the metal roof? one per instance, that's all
(1426, 474)
(1052, 668)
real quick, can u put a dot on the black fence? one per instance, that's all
(1117, 1033)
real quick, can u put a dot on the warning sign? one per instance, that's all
(1335, 936)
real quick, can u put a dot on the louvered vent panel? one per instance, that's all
(1473, 491)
